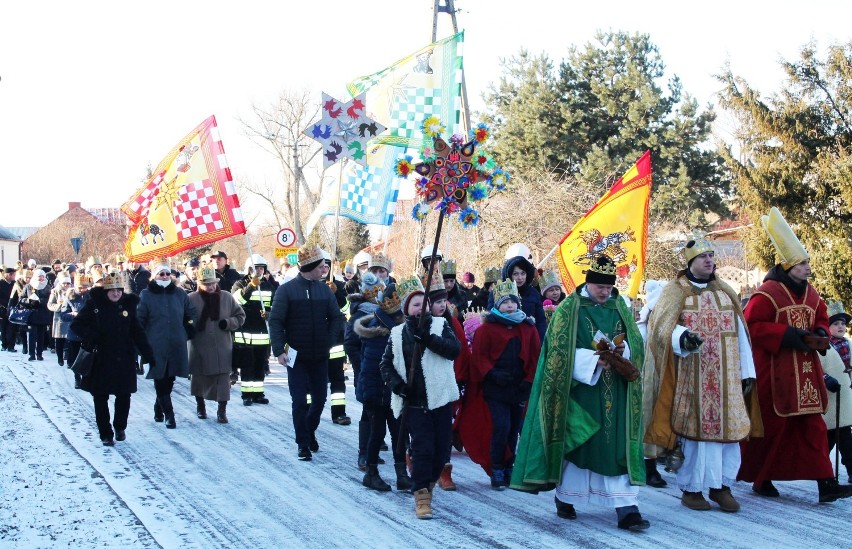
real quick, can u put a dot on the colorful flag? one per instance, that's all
(367, 194)
(189, 201)
(617, 227)
(425, 83)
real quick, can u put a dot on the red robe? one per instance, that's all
(490, 340)
(790, 389)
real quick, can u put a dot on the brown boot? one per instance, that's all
(725, 499)
(695, 501)
(423, 503)
(220, 413)
(200, 408)
(445, 481)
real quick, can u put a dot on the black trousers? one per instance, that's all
(8, 331)
(252, 360)
(505, 428)
(305, 378)
(845, 447)
(431, 435)
(59, 342)
(122, 410)
(163, 388)
(381, 416)
(36, 334)
(337, 380)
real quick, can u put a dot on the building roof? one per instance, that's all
(19, 233)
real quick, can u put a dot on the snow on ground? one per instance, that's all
(240, 485)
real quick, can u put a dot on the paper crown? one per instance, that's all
(492, 274)
(437, 283)
(448, 267)
(790, 250)
(389, 302)
(82, 279)
(308, 255)
(93, 260)
(121, 258)
(602, 265)
(835, 309)
(408, 286)
(549, 279)
(112, 281)
(504, 288)
(380, 260)
(207, 274)
(371, 286)
(699, 246)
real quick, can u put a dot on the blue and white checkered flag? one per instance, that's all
(368, 194)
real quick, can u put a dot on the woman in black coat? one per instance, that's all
(107, 323)
(36, 296)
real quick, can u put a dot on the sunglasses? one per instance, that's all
(164, 273)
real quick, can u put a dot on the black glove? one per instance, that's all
(189, 327)
(223, 324)
(399, 389)
(793, 339)
(748, 386)
(499, 377)
(820, 332)
(421, 334)
(690, 342)
(525, 388)
(831, 384)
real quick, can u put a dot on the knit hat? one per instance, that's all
(550, 279)
(408, 288)
(31, 263)
(309, 258)
(349, 269)
(72, 268)
(468, 278)
(601, 271)
(62, 278)
(371, 285)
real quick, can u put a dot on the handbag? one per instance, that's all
(20, 315)
(84, 362)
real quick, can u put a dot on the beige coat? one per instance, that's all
(210, 349)
(832, 365)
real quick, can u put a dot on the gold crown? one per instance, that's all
(407, 286)
(112, 280)
(82, 279)
(121, 258)
(448, 267)
(93, 260)
(492, 274)
(437, 282)
(602, 265)
(699, 246)
(502, 289)
(308, 255)
(207, 274)
(549, 279)
(390, 302)
(790, 250)
(380, 260)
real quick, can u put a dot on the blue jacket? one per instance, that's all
(374, 338)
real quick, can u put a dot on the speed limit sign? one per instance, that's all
(286, 238)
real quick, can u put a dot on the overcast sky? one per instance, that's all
(91, 92)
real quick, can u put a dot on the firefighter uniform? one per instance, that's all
(251, 341)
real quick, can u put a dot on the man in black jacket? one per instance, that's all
(306, 317)
(8, 329)
(227, 275)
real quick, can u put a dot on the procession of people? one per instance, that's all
(545, 391)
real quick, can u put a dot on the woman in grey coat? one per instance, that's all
(58, 297)
(168, 318)
(211, 349)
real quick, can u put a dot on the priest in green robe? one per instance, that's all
(582, 435)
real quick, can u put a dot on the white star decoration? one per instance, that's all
(344, 130)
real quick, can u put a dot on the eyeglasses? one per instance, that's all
(164, 273)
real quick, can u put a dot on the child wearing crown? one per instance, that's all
(503, 364)
(424, 388)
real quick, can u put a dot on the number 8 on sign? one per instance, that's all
(286, 238)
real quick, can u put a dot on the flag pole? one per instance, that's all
(543, 261)
(336, 221)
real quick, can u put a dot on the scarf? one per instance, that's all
(210, 310)
(512, 319)
(36, 283)
(841, 345)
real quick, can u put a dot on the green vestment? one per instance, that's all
(569, 420)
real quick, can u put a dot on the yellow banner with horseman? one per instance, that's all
(616, 227)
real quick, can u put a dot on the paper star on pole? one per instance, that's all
(344, 130)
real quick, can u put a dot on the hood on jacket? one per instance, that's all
(364, 330)
(523, 263)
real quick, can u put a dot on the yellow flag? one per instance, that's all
(617, 227)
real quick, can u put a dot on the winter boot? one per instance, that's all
(403, 481)
(445, 481)
(373, 481)
(725, 499)
(200, 408)
(653, 477)
(423, 503)
(694, 501)
(564, 510)
(158, 411)
(170, 421)
(498, 477)
(220, 413)
(830, 490)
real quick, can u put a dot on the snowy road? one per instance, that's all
(240, 485)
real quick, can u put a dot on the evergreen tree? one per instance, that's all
(598, 113)
(795, 155)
